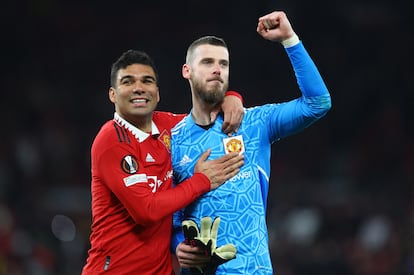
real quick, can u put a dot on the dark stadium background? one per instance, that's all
(341, 196)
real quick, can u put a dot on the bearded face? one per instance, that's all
(208, 72)
(211, 91)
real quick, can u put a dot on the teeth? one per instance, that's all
(138, 100)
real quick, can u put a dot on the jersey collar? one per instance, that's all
(140, 135)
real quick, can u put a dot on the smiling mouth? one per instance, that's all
(139, 100)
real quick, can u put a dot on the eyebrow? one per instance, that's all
(140, 77)
(149, 77)
(221, 61)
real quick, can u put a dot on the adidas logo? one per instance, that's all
(149, 158)
(186, 159)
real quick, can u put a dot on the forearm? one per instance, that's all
(155, 207)
(307, 75)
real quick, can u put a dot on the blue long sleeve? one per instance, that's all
(308, 77)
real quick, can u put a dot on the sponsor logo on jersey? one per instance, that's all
(129, 164)
(152, 181)
(234, 144)
(134, 179)
(241, 176)
(165, 139)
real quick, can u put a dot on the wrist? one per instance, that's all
(291, 41)
(234, 93)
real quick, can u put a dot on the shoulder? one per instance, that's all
(169, 115)
(105, 130)
(182, 125)
(111, 133)
(253, 112)
(167, 119)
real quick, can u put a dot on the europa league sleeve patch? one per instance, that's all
(129, 164)
(234, 144)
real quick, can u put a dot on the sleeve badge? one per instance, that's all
(129, 164)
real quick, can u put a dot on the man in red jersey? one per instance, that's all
(132, 194)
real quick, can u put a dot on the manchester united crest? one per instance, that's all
(233, 144)
(165, 139)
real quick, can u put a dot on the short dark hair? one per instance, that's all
(205, 40)
(131, 57)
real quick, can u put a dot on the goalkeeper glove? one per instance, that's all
(207, 239)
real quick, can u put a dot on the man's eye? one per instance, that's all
(126, 82)
(149, 80)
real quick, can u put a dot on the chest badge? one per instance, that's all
(234, 144)
(165, 139)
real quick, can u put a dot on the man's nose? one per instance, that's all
(217, 69)
(138, 87)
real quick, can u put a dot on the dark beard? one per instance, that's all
(212, 97)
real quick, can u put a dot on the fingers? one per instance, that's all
(270, 23)
(221, 169)
(227, 167)
(201, 164)
(226, 123)
(230, 161)
(232, 122)
(267, 22)
(204, 156)
(191, 256)
(275, 26)
(205, 229)
(275, 16)
(233, 110)
(226, 157)
(235, 160)
(214, 232)
(190, 229)
(267, 27)
(231, 171)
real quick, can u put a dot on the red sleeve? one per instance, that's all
(174, 199)
(142, 204)
(234, 93)
(167, 117)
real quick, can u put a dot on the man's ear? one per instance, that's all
(111, 94)
(186, 71)
(158, 94)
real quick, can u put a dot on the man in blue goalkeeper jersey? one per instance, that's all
(241, 203)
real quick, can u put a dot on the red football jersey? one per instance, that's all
(133, 199)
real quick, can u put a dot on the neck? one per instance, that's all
(201, 118)
(201, 113)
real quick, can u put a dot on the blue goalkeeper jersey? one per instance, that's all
(241, 201)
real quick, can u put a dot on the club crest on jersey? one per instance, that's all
(234, 144)
(129, 164)
(165, 139)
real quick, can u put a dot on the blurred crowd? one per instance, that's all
(341, 199)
